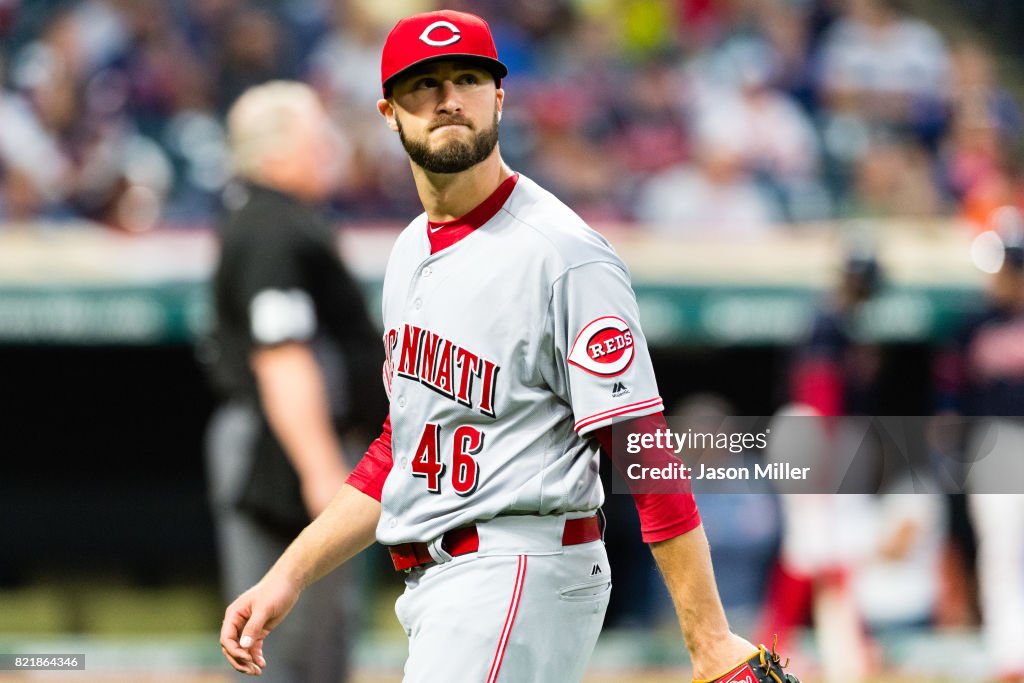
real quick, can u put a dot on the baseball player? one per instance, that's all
(512, 343)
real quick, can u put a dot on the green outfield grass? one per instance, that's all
(107, 607)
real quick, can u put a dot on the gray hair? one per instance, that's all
(262, 120)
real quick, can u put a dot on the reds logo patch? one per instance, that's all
(604, 347)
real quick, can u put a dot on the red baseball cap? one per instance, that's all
(435, 36)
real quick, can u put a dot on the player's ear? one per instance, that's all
(387, 110)
(499, 94)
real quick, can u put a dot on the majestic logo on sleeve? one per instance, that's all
(442, 366)
(604, 347)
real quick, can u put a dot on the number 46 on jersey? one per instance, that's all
(467, 442)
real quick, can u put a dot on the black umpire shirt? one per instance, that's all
(280, 280)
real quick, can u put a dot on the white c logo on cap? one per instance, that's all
(454, 38)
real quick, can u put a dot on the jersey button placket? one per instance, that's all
(417, 284)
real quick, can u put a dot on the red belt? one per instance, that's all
(465, 540)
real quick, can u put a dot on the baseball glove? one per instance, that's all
(764, 666)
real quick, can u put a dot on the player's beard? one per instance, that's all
(453, 156)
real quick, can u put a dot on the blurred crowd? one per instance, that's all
(684, 115)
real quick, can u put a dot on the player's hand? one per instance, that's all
(250, 618)
(720, 656)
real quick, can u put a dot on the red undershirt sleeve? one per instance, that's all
(662, 515)
(375, 465)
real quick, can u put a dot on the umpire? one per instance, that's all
(291, 347)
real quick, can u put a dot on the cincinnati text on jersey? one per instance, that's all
(441, 365)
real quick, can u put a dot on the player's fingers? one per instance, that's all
(236, 648)
(246, 668)
(241, 664)
(230, 630)
(252, 638)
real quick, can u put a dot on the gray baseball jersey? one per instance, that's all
(502, 352)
